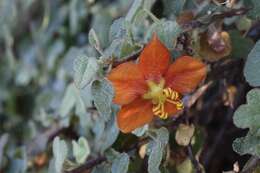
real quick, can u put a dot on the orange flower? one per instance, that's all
(153, 86)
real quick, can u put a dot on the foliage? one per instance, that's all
(56, 103)
(251, 70)
(247, 116)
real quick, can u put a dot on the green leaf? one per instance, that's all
(184, 134)
(74, 98)
(18, 163)
(127, 49)
(148, 4)
(158, 145)
(254, 13)
(252, 70)
(162, 136)
(247, 145)
(77, 11)
(68, 101)
(51, 167)
(73, 17)
(103, 94)
(140, 131)
(185, 167)
(168, 31)
(248, 116)
(101, 22)
(54, 52)
(140, 17)
(121, 48)
(111, 154)
(60, 151)
(108, 134)
(119, 29)
(136, 6)
(80, 108)
(241, 46)
(173, 6)
(80, 150)
(102, 168)
(155, 158)
(93, 38)
(122, 43)
(120, 164)
(85, 70)
(244, 24)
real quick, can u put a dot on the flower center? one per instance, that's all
(159, 95)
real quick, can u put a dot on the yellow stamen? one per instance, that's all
(160, 96)
(179, 104)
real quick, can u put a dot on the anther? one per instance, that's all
(169, 93)
(172, 97)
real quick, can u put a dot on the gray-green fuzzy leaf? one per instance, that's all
(108, 133)
(248, 116)
(247, 145)
(103, 93)
(174, 6)
(140, 131)
(136, 6)
(254, 13)
(241, 46)
(85, 70)
(167, 31)
(93, 39)
(102, 168)
(156, 155)
(80, 150)
(120, 164)
(252, 70)
(68, 101)
(118, 29)
(60, 151)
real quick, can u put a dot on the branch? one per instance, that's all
(231, 13)
(251, 165)
(234, 12)
(88, 165)
(194, 161)
(39, 143)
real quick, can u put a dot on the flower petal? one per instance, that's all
(171, 109)
(128, 83)
(185, 74)
(134, 115)
(154, 59)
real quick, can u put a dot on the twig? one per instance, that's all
(88, 165)
(39, 143)
(231, 13)
(131, 57)
(195, 96)
(195, 23)
(194, 161)
(251, 164)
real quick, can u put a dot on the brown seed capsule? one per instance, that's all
(215, 46)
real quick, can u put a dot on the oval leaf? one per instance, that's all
(80, 150)
(252, 70)
(85, 70)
